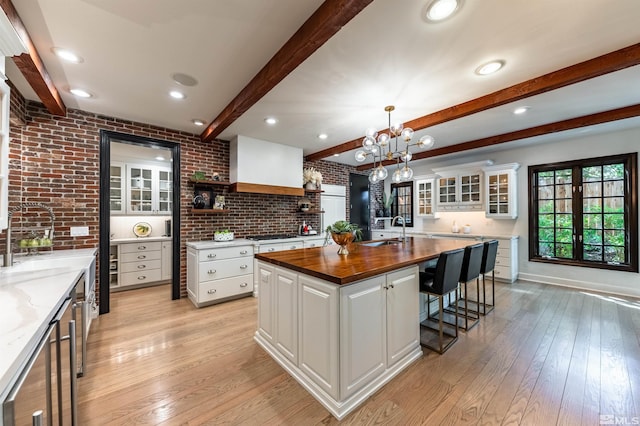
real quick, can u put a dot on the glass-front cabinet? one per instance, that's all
(116, 188)
(425, 193)
(140, 189)
(459, 189)
(501, 186)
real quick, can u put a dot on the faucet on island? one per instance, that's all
(404, 234)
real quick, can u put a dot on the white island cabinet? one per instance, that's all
(341, 342)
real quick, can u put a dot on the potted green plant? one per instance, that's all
(343, 232)
(387, 202)
(223, 235)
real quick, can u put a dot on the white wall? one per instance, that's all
(584, 145)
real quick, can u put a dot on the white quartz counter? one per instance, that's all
(207, 244)
(461, 235)
(138, 239)
(31, 291)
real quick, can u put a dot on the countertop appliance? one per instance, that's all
(270, 237)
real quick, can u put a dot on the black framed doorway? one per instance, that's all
(106, 138)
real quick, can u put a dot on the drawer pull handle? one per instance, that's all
(243, 266)
(142, 277)
(142, 256)
(211, 255)
(211, 271)
(294, 247)
(243, 252)
(142, 266)
(272, 249)
(212, 291)
(243, 285)
(142, 247)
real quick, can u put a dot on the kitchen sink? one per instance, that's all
(381, 243)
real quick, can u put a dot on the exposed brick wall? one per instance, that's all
(55, 160)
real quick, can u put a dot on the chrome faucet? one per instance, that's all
(404, 234)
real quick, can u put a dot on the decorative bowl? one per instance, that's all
(223, 236)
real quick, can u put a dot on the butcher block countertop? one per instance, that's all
(362, 261)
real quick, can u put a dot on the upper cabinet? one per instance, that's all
(140, 189)
(425, 197)
(459, 188)
(501, 188)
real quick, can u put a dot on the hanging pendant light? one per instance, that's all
(378, 145)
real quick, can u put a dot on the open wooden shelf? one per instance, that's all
(311, 211)
(210, 182)
(209, 211)
(313, 191)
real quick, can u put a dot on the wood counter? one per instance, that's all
(362, 261)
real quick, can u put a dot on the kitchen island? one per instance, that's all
(343, 326)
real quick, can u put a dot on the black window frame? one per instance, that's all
(630, 162)
(396, 203)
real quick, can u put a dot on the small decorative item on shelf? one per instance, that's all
(216, 176)
(203, 198)
(224, 235)
(343, 233)
(466, 229)
(311, 178)
(198, 176)
(141, 229)
(454, 228)
(304, 204)
(219, 202)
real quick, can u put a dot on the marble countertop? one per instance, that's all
(138, 239)
(31, 292)
(449, 234)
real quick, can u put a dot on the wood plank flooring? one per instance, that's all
(546, 355)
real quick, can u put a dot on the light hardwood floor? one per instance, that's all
(546, 355)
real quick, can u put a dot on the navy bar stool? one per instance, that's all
(442, 281)
(471, 265)
(488, 265)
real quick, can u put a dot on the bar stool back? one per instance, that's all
(442, 281)
(471, 265)
(488, 265)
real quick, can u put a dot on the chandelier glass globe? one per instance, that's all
(406, 173)
(396, 177)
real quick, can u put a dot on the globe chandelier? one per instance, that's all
(378, 145)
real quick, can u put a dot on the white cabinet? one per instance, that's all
(149, 189)
(507, 260)
(501, 189)
(460, 188)
(140, 189)
(315, 242)
(4, 154)
(139, 263)
(339, 341)
(219, 274)
(425, 197)
(167, 259)
(289, 245)
(116, 188)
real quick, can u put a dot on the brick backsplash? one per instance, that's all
(55, 161)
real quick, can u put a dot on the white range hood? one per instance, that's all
(263, 167)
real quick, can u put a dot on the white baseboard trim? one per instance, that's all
(581, 285)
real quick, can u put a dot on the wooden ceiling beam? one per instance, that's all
(326, 21)
(558, 126)
(31, 66)
(605, 64)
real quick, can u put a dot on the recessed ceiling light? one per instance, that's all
(521, 110)
(184, 79)
(160, 158)
(439, 10)
(80, 93)
(197, 122)
(323, 136)
(270, 121)
(67, 55)
(490, 67)
(336, 155)
(177, 95)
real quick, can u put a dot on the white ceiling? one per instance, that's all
(388, 54)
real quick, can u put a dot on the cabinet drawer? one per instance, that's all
(270, 248)
(227, 287)
(225, 253)
(132, 278)
(144, 256)
(503, 272)
(140, 247)
(143, 265)
(218, 269)
(503, 261)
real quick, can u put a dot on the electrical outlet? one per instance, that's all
(79, 231)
